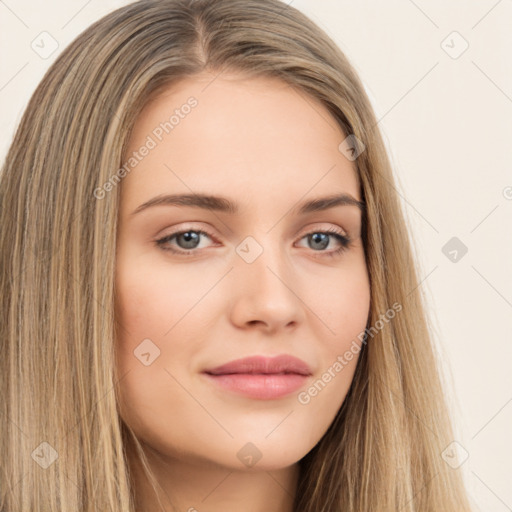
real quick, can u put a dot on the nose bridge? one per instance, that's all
(264, 273)
(263, 260)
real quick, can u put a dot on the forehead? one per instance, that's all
(232, 135)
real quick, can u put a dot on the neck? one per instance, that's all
(200, 486)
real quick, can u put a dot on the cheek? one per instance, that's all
(161, 321)
(320, 401)
(343, 310)
(152, 299)
(342, 305)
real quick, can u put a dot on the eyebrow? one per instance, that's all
(225, 205)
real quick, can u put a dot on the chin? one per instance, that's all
(260, 454)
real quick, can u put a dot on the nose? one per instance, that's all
(266, 293)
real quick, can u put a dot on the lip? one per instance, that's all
(261, 377)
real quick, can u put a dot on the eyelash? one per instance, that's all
(344, 240)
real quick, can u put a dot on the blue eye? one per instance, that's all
(323, 238)
(188, 241)
(190, 238)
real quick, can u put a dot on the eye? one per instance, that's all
(188, 241)
(319, 240)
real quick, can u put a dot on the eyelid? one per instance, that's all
(312, 227)
(315, 228)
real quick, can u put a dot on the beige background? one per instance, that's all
(445, 112)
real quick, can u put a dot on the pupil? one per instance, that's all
(322, 238)
(190, 237)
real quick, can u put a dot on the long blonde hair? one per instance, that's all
(57, 242)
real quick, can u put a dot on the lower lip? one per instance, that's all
(260, 386)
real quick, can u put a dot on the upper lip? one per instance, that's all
(263, 365)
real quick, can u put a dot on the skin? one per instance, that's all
(267, 147)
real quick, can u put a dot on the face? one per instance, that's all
(202, 283)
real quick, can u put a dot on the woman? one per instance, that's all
(209, 299)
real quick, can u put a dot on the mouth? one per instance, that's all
(260, 377)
